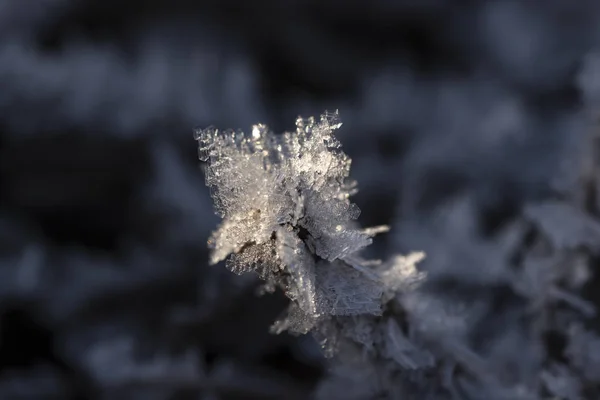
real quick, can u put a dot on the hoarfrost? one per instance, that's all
(287, 216)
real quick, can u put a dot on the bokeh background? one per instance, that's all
(456, 114)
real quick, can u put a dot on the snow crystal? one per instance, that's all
(284, 201)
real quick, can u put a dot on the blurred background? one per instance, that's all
(456, 114)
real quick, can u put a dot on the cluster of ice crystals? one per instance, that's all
(284, 200)
(287, 216)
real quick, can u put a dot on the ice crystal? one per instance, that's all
(287, 216)
(284, 200)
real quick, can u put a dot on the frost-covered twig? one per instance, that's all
(284, 200)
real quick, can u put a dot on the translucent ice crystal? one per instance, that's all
(284, 200)
(286, 215)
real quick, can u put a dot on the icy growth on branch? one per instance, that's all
(284, 200)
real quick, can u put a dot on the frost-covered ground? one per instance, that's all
(469, 126)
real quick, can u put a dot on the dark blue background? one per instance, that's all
(105, 290)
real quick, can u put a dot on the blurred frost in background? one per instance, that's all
(461, 118)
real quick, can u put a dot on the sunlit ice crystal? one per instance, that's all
(286, 214)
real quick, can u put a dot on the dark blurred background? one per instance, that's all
(105, 291)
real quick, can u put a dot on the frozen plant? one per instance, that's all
(287, 216)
